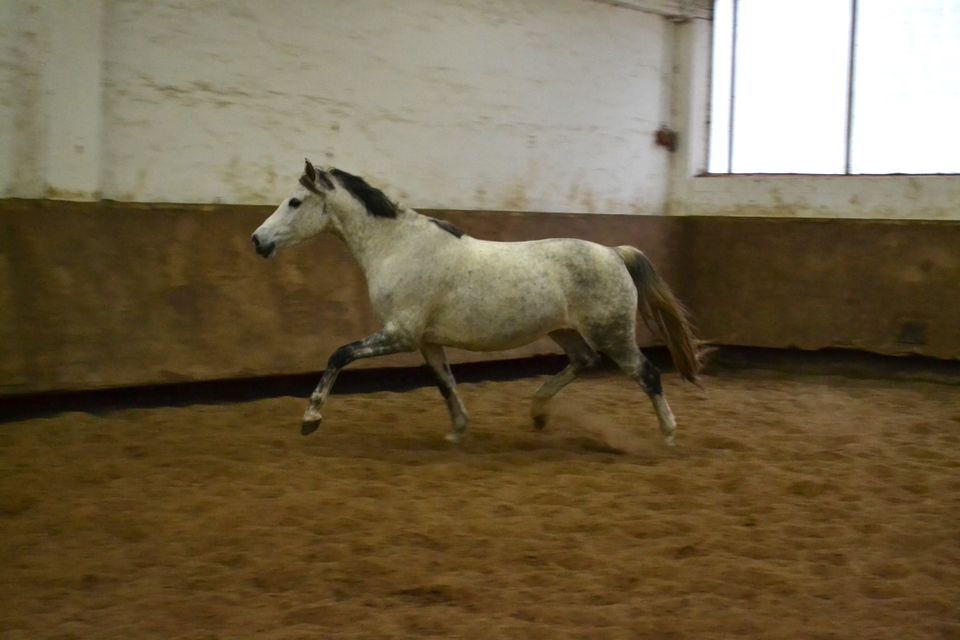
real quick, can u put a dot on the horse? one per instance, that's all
(433, 286)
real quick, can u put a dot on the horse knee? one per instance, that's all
(342, 357)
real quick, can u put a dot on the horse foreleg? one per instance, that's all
(378, 344)
(437, 360)
(582, 356)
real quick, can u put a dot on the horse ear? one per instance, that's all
(310, 177)
(324, 180)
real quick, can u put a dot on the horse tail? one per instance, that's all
(663, 313)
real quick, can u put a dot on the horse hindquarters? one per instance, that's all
(663, 313)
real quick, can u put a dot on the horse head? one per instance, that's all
(303, 214)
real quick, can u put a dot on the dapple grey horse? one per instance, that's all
(432, 286)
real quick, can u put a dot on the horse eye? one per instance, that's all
(294, 203)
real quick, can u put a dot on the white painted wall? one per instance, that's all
(50, 106)
(530, 105)
(72, 93)
(24, 34)
(546, 105)
(8, 76)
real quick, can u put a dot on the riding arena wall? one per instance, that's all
(148, 140)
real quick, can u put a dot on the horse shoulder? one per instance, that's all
(410, 272)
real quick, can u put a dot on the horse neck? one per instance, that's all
(367, 237)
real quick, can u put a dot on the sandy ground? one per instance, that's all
(797, 506)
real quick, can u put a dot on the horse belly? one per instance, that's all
(486, 320)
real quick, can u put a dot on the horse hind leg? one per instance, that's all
(582, 357)
(632, 362)
(437, 360)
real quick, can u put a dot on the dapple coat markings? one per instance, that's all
(432, 286)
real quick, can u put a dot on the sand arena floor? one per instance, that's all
(797, 506)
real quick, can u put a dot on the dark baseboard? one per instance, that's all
(725, 360)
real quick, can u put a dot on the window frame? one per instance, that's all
(731, 108)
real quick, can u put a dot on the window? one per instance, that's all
(835, 86)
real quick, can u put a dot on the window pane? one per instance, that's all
(790, 102)
(906, 116)
(718, 161)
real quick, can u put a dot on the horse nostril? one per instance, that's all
(264, 249)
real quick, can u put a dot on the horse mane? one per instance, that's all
(373, 199)
(376, 203)
(449, 227)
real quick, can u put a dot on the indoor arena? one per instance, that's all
(603, 319)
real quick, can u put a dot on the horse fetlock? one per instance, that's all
(461, 424)
(668, 424)
(669, 429)
(312, 414)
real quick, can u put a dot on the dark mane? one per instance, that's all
(449, 227)
(373, 199)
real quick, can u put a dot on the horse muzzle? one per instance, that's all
(264, 249)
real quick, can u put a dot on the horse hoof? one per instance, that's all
(453, 437)
(539, 422)
(309, 426)
(669, 441)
